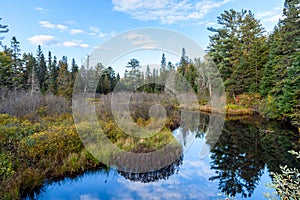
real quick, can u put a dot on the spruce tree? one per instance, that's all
(283, 83)
(16, 64)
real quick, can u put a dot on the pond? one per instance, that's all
(237, 166)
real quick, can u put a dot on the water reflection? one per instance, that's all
(236, 165)
(243, 150)
(238, 159)
(154, 176)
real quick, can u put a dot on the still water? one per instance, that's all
(236, 166)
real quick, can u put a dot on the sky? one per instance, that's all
(76, 28)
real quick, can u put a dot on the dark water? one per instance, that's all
(237, 165)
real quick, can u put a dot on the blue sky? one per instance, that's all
(74, 28)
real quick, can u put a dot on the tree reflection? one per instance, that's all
(238, 159)
(277, 140)
(153, 176)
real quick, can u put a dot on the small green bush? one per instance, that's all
(6, 166)
(287, 182)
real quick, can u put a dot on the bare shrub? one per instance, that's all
(22, 104)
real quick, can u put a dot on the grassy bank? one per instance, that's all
(33, 152)
(241, 105)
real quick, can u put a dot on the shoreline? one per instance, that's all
(230, 109)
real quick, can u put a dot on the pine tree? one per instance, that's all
(133, 73)
(183, 63)
(163, 63)
(239, 50)
(53, 74)
(74, 69)
(16, 64)
(3, 29)
(41, 70)
(170, 66)
(223, 43)
(64, 79)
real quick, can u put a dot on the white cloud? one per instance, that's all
(272, 15)
(273, 19)
(50, 40)
(167, 11)
(71, 22)
(102, 35)
(95, 31)
(42, 10)
(42, 40)
(210, 23)
(74, 43)
(49, 25)
(113, 33)
(88, 197)
(46, 24)
(76, 31)
(141, 40)
(84, 45)
(61, 27)
(274, 11)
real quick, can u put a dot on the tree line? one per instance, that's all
(37, 74)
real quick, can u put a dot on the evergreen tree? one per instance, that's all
(239, 50)
(16, 64)
(252, 53)
(98, 75)
(64, 79)
(3, 29)
(163, 63)
(53, 74)
(133, 73)
(268, 81)
(6, 71)
(163, 70)
(148, 74)
(74, 69)
(170, 66)
(29, 63)
(284, 65)
(183, 64)
(31, 75)
(223, 43)
(41, 70)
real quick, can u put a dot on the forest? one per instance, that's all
(38, 140)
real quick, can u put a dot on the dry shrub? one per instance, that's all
(24, 104)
